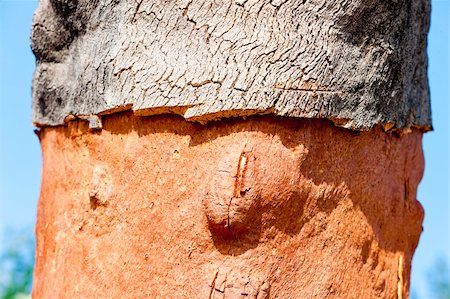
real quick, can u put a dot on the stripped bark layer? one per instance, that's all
(142, 209)
(357, 63)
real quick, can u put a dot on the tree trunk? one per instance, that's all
(162, 178)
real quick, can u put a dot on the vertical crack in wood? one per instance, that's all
(400, 278)
(213, 284)
(240, 175)
(238, 183)
(407, 199)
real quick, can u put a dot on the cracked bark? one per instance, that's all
(361, 62)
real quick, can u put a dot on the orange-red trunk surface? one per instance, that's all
(268, 207)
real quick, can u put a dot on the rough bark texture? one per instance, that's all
(357, 63)
(157, 207)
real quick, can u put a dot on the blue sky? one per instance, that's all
(20, 156)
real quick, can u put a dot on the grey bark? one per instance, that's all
(358, 63)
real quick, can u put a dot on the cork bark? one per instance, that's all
(357, 63)
(137, 203)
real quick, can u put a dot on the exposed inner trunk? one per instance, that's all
(266, 207)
